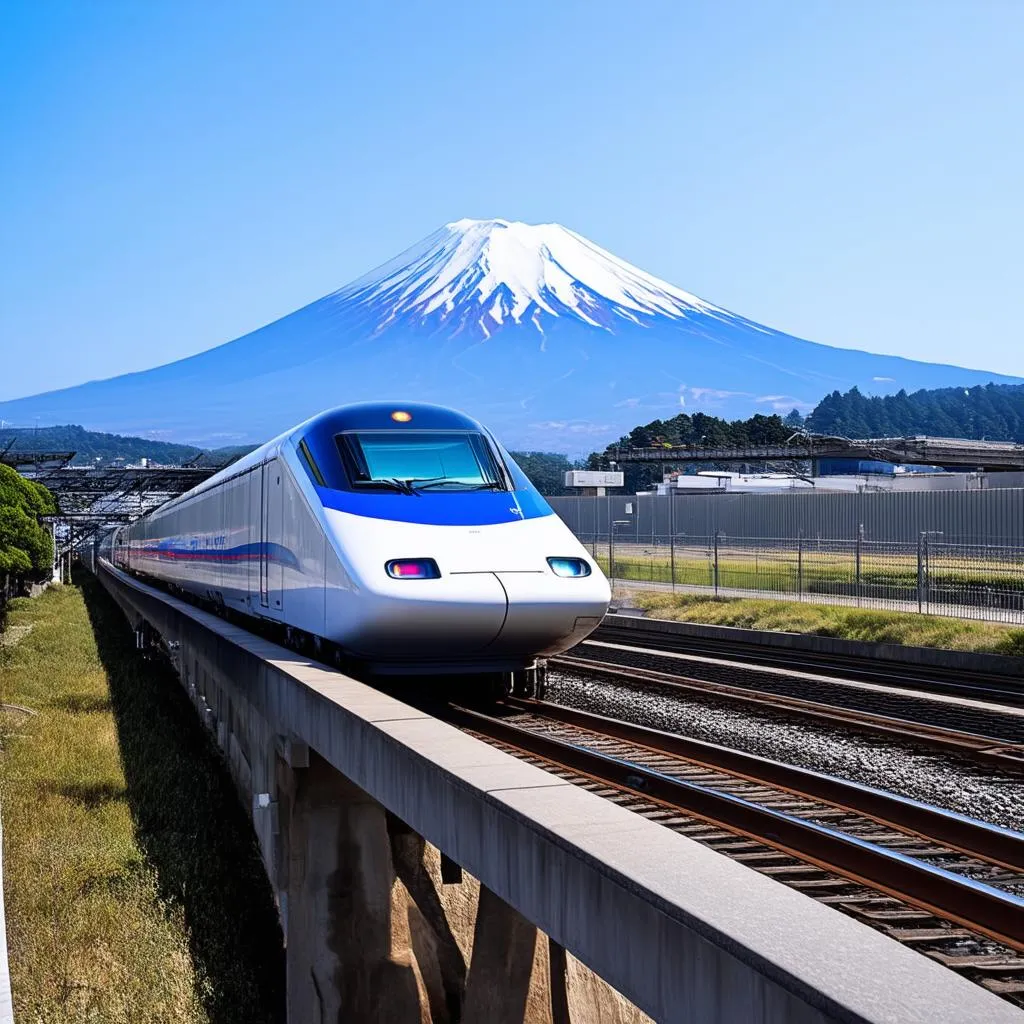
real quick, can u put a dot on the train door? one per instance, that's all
(264, 593)
(271, 537)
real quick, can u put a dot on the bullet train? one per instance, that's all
(403, 538)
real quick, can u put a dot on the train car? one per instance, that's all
(404, 537)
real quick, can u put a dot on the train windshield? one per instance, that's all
(421, 460)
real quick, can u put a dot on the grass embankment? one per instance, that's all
(813, 571)
(132, 881)
(828, 620)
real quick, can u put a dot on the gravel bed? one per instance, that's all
(944, 780)
(1008, 727)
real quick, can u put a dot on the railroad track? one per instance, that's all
(948, 885)
(997, 751)
(926, 679)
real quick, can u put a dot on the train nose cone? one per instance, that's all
(548, 614)
(458, 614)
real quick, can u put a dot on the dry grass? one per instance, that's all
(106, 794)
(828, 620)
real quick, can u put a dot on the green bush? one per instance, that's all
(26, 547)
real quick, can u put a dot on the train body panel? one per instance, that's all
(291, 535)
(539, 611)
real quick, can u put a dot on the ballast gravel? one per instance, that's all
(944, 780)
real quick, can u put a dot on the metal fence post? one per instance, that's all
(672, 537)
(800, 565)
(921, 571)
(716, 563)
(857, 554)
(611, 542)
(927, 575)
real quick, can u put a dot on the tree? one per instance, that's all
(699, 430)
(546, 470)
(994, 412)
(26, 548)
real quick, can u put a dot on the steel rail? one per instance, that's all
(988, 749)
(927, 679)
(957, 831)
(972, 904)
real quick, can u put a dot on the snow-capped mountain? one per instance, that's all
(483, 273)
(553, 341)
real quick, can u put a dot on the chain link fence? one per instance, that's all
(933, 575)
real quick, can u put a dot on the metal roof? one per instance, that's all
(927, 451)
(92, 497)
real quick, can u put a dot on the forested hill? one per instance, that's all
(91, 445)
(993, 412)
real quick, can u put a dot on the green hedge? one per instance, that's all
(26, 547)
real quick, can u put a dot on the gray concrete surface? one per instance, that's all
(684, 933)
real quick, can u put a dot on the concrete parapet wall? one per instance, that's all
(681, 932)
(898, 654)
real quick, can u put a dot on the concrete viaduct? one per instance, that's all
(422, 875)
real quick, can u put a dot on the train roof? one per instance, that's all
(390, 415)
(358, 416)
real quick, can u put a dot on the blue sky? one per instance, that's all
(174, 174)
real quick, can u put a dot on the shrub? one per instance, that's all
(26, 547)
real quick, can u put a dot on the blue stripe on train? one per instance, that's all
(465, 508)
(174, 552)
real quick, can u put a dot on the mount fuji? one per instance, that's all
(552, 341)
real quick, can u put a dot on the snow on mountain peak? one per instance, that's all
(491, 271)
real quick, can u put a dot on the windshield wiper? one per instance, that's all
(402, 486)
(426, 485)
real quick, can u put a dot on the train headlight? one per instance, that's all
(569, 566)
(412, 569)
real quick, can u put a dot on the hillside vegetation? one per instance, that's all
(90, 445)
(994, 412)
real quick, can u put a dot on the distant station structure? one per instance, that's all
(927, 451)
(593, 483)
(92, 498)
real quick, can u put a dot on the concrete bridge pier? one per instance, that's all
(504, 952)
(343, 960)
(368, 936)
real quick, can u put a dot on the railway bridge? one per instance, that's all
(424, 875)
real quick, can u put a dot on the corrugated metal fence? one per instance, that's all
(966, 517)
(962, 554)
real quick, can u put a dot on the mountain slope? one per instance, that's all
(553, 341)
